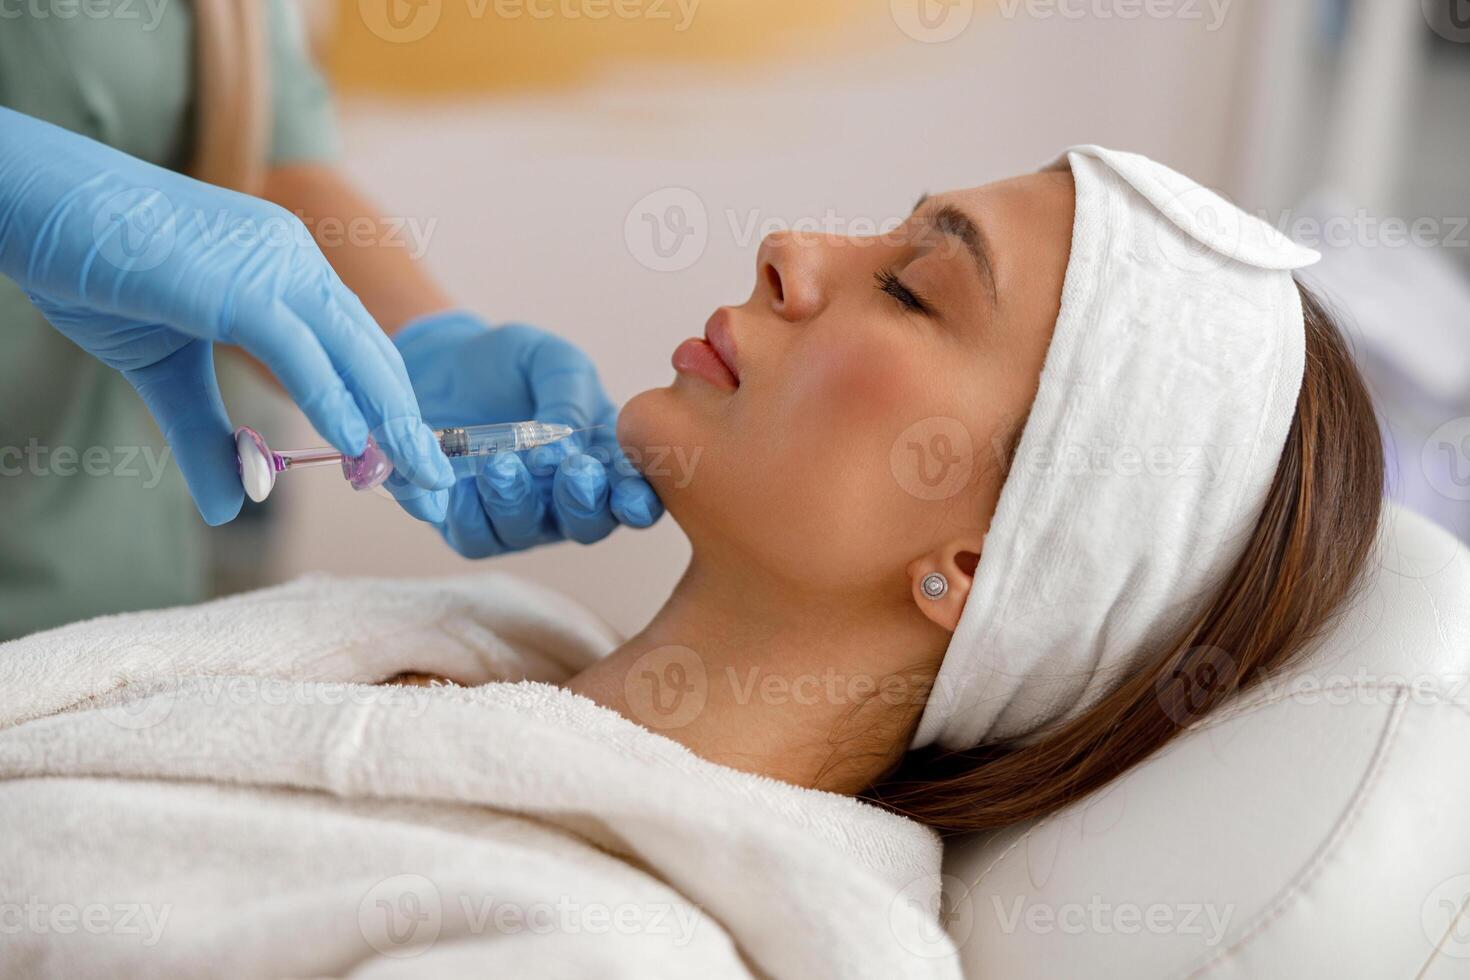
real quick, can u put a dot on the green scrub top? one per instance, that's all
(94, 517)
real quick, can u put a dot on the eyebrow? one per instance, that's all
(950, 220)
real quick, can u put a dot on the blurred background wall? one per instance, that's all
(535, 148)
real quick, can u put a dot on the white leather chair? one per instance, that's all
(1320, 827)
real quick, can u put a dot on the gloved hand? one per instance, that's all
(146, 270)
(466, 373)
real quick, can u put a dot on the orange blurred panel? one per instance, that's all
(429, 47)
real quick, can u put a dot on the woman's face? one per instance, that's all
(854, 413)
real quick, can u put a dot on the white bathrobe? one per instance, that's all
(219, 790)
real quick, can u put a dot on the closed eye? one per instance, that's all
(888, 282)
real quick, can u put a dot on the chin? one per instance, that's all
(664, 439)
(641, 421)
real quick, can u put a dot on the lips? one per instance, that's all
(711, 357)
(717, 332)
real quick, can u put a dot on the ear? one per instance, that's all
(956, 561)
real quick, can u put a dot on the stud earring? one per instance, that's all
(934, 586)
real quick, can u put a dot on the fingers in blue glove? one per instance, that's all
(182, 393)
(291, 351)
(466, 527)
(512, 503)
(567, 390)
(634, 503)
(429, 506)
(373, 371)
(580, 497)
(345, 375)
(563, 382)
(632, 500)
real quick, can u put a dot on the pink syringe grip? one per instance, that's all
(368, 470)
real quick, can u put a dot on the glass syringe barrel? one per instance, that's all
(259, 464)
(509, 437)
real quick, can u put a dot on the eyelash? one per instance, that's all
(888, 282)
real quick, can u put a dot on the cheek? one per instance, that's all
(846, 404)
(853, 385)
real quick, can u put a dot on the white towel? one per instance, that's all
(206, 791)
(1167, 394)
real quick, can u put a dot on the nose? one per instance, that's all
(790, 274)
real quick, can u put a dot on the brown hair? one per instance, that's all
(1300, 565)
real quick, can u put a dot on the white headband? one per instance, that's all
(1165, 400)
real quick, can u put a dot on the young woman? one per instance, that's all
(983, 512)
(851, 352)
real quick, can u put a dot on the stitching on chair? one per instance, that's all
(1045, 821)
(1203, 725)
(1214, 721)
(1434, 954)
(1386, 741)
(1006, 853)
(1266, 700)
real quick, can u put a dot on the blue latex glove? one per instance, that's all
(146, 270)
(466, 373)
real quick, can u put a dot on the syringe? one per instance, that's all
(259, 464)
(511, 437)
